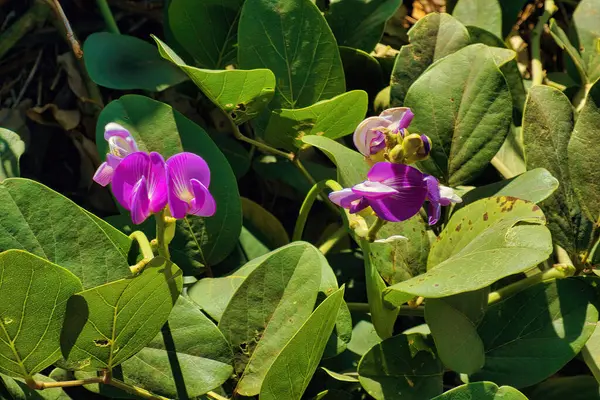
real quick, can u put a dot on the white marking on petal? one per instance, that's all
(374, 187)
(449, 194)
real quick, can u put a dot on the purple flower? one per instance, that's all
(139, 184)
(188, 178)
(120, 144)
(369, 136)
(438, 195)
(395, 192)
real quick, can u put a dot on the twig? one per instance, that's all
(29, 79)
(215, 396)
(331, 241)
(69, 31)
(36, 15)
(537, 70)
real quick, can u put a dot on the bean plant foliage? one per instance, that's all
(332, 218)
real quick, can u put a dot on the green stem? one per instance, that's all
(307, 204)
(109, 19)
(537, 70)
(38, 385)
(403, 310)
(556, 272)
(265, 147)
(594, 236)
(142, 241)
(338, 235)
(161, 226)
(134, 390)
(215, 396)
(377, 225)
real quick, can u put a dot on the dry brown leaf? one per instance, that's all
(68, 63)
(50, 114)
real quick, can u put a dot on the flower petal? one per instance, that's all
(399, 117)
(434, 212)
(364, 134)
(157, 182)
(203, 203)
(401, 206)
(397, 176)
(186, 166)
(113, 160)
(448, 196)
(433, 188)
(358, 206)
(344, 197)
(373, 190)
(104, 174)
(139, 203)
(130, 170)
(113, 129)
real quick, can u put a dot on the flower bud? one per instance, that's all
(416, 148)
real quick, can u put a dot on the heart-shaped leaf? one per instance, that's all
(125, 62)
(547, 127)
(206, 29)
(108, 324)
(482, 14)
(331, 118)
(482, 236)
(158, 127)
(402, 366)
(433, 37)
(33, 300)
(466, 117)
(292, 39)
(11, 149)
(36, 219)
(359, 24)
(456, 340)
(268, 308)
(583, 151)
(240, 94)
(482, 391)
(301, 356)
(558, 316)
(203, 356)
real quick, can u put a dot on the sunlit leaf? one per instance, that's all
(482, 14)
(11, 149)
(482, 391)
(588, 35)
(33, 300)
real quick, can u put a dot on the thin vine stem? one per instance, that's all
(142, 241)
(163, 246)
(537, 69)
(307, 204)
(332, 240)
(109, 19)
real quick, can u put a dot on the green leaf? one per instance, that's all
(206, 29)
(547, 126)
(189, 349)
(267, 309)
(33, 300)
(300, 357)
(485, 14)
(383, 317)
(401, 367)
(109, 324)
(433, 37)
(292, 39)
(482, 391)
(466, 117)
(17, 389)
(238, 157)
(582, 387)
(591, 353)
(240, 94)
(364, 337)
(588, 35)
(158, 127)
(359, 23)
(482, 236)
(509, 68)
(340, 377)
(562, 40)
(362, 71)
(264, 224)
(351, 165)
(510, 159)
(36, 219)
(11, 149)
(213, 294)
(557, 316)
(125, 62)
(582, 155)
(456, 340)
(401, 260)
(331, 118)
(534, 186)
